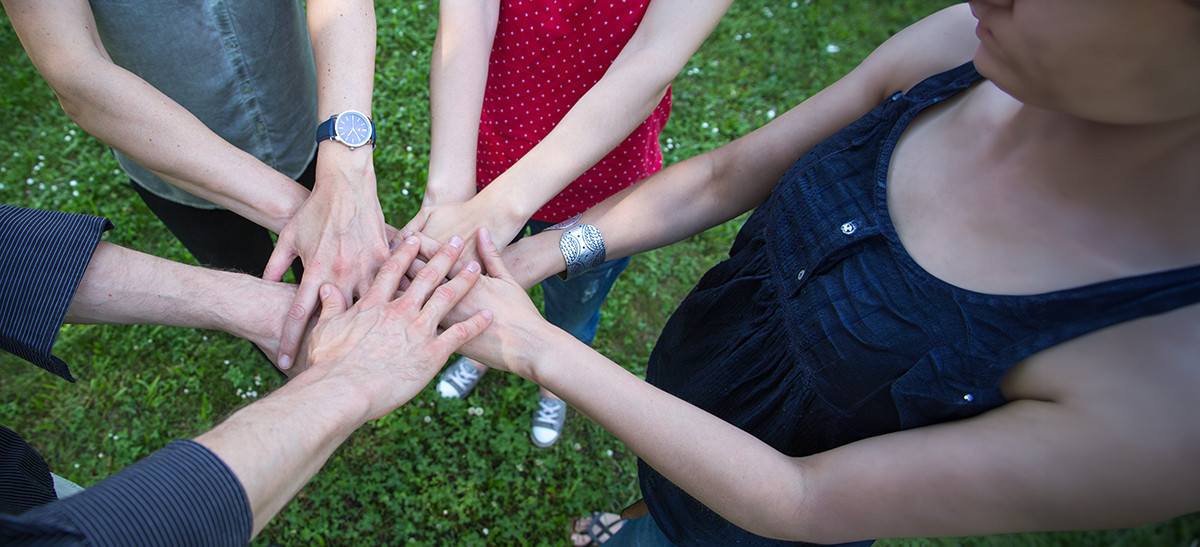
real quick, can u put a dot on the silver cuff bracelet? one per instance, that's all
(583, 248)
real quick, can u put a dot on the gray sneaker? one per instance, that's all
(458, 379)
(548, 421)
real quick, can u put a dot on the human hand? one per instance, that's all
(518, 331)
(341, 238)
(437, 223)
(387, 345)
(264, 324)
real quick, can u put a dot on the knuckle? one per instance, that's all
(447, 291)
(297, 312)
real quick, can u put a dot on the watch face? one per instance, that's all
(353, 128)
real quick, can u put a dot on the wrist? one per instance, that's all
(339, 399)
(255, 310)
(533, 259)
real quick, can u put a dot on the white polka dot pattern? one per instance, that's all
(546, 55)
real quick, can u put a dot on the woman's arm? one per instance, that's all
(1098, 435)
(621, 100)
(706, 190)
(457, 80)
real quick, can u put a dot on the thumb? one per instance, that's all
(490, 255)
(333, 302)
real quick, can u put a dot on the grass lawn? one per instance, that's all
(435, 472)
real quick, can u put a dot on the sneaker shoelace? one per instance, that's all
(548, 412)
(463, 377)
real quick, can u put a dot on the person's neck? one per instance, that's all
(1164, 156)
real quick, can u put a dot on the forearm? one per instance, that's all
(276, 445)
(628, 92)
(343, 40)
(730, 471)
(130, 115)
(457, 79)
(675, 203)
(123, 286)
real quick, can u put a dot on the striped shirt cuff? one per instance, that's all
(43, 255)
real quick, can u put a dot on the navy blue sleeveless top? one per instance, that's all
(820, 329)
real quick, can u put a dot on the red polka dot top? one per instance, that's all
(545, 56)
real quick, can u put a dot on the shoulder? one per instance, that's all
(935, 44)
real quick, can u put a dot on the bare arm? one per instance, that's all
(625, 96)
(339, 232)
(130, 115)
(706, 190)
(1093, 438)
(123, 286)
(457, 79)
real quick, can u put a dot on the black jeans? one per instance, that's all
(218, 238)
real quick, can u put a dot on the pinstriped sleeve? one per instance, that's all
(43, 255)
(181, 495)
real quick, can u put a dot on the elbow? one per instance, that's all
(651, 66)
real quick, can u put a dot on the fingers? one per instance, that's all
(281, 259)
(490, 255)
(391, 273)
(296, 321)
(435, 271)
(416, 224)
(458, 334)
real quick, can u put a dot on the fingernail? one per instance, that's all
(487, 314)
(455, 242)
(325, 290)
(473, 267)
(485, 236)
(285, 362)
(412, 240)
(405, 235)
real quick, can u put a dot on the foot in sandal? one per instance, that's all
(594, 530)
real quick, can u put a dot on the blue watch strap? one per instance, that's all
(325, 129)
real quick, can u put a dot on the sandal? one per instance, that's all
(600, 528)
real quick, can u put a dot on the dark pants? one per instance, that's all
(218, 238)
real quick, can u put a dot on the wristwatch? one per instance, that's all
(351, 128)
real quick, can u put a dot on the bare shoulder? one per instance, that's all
(934, 44)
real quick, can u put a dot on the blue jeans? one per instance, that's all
(643, 532)
(574, 306)
(639, 532)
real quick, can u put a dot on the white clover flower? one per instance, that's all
(832, 48)
(771, 114)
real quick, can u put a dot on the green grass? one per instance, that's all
(435, 472)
